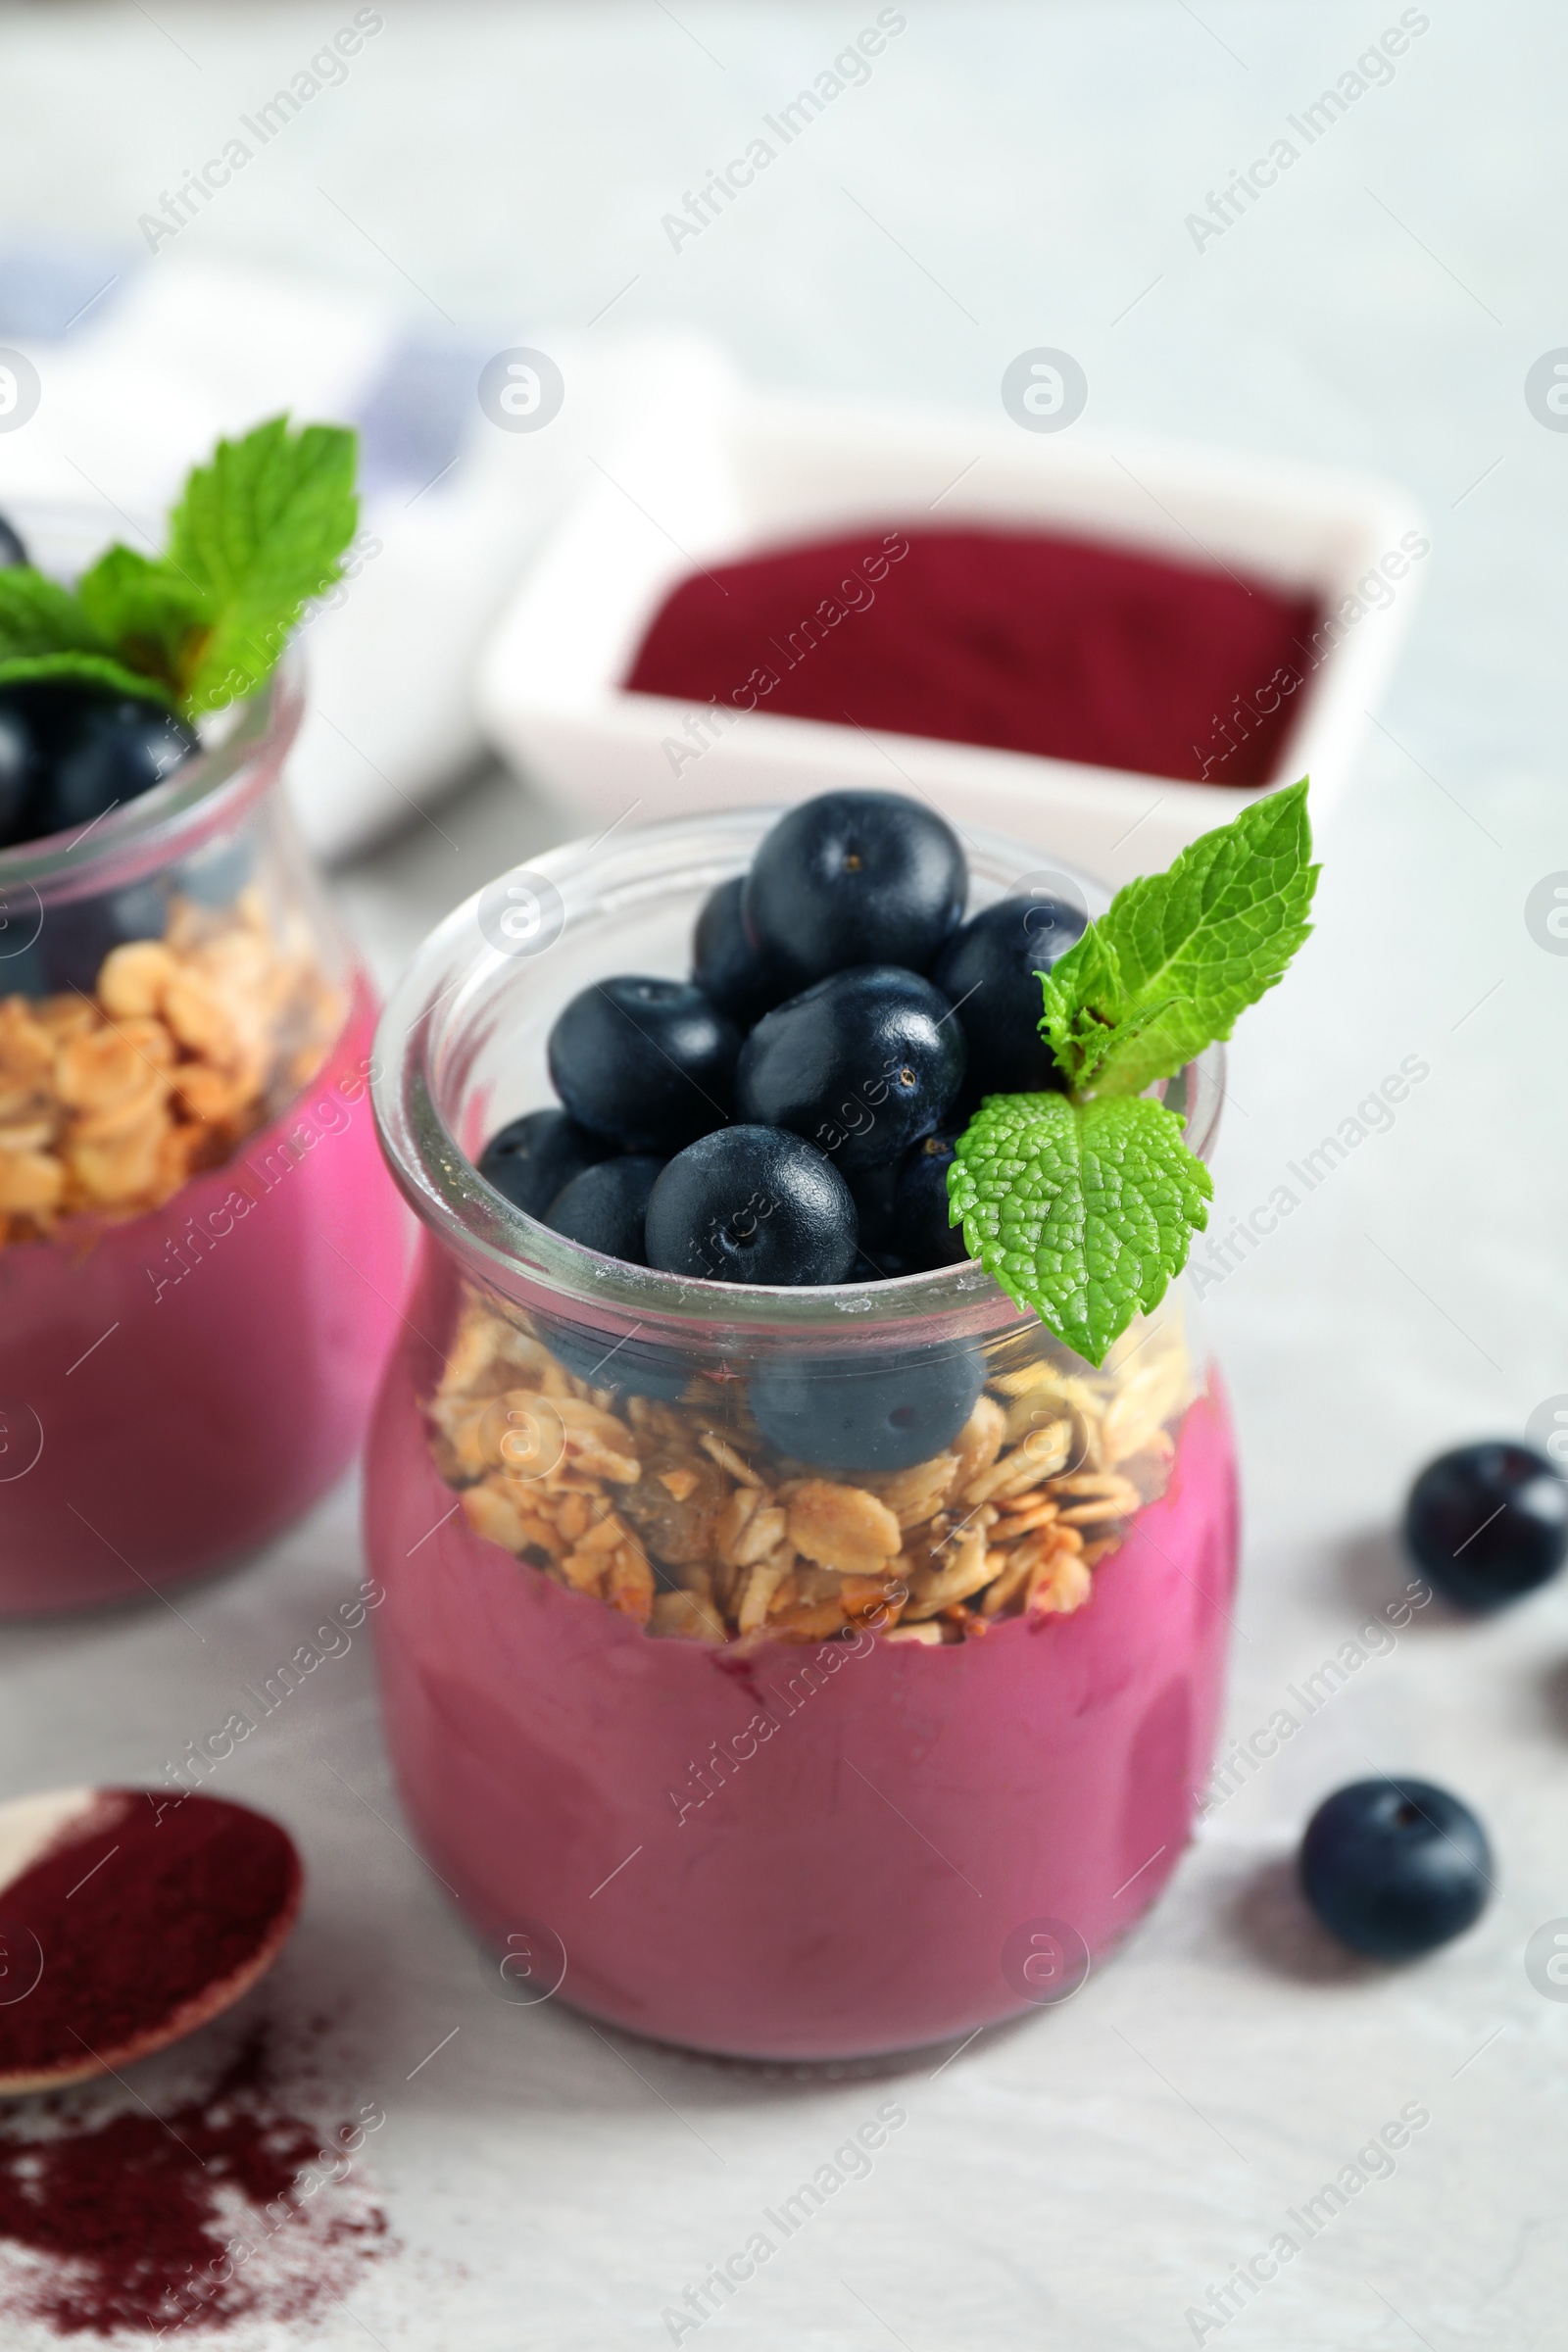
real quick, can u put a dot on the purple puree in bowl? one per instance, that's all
(1018, 639)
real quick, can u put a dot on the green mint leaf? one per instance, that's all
(1177, 956)
(1082, 1211)
(156, 617)
(48, 633)
(82, 669)
(40, 616)
(1080, 1035)
(258, 534)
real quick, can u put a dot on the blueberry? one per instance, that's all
(649, 1062)
(875, 1191)
(749, 1204)
(863, 1064)
(12, 549)
(923, 1238)
(603, 1207)
(1487, 1523)
(628, 1365)
(21, 772)
(855, 877)
(533, 1158)
(882, 1412)
(987, 973)
(215, 874)
(739, 978)
(77, 936)
(97, 748)
(1395, 1868)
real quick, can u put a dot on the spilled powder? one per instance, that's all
(228, 2207)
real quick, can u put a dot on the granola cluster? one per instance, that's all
(683, 1518)
(187, 1044)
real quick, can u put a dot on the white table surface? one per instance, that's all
(1010, 176)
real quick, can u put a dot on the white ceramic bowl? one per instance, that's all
(742, 471)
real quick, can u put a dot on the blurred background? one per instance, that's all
(468, 180)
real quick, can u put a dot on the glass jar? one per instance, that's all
(729, 1741)
(200, 1254)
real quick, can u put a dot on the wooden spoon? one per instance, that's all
(128, 1917)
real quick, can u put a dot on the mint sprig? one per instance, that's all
(258, 532)
(1083, 1205)
(1178, 955)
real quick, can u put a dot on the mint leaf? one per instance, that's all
(1177, 956)
(154, 615)
(40, 616)
(1082, 1211)
(1080, 1034)
(82, 669)
(45, 633)
(258, 534)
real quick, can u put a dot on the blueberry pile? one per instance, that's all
(70, 753)
(787, 1116)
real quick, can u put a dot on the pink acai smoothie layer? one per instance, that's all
(811, 1852)
(176, 1389)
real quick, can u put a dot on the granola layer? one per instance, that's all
(680, 1516)
(109, 1103)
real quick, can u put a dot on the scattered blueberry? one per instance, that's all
(923, 1236)
(752, 1204)
(987, 973)
(1395, 1868)
(603, 1207)
(862, 1065)
(649, 1062)
(1487, 1523)
(855, 877)
(12, 549)
(533, 1158)
(738, 977)
(884, 1412)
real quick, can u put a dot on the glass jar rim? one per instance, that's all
(203, 795)
(500, 1246)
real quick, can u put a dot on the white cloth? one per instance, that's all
(174, 351)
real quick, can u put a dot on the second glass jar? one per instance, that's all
(200, 1253)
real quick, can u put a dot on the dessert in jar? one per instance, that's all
(199, 1252)
(799, 1641)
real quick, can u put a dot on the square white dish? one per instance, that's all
(742, 471)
